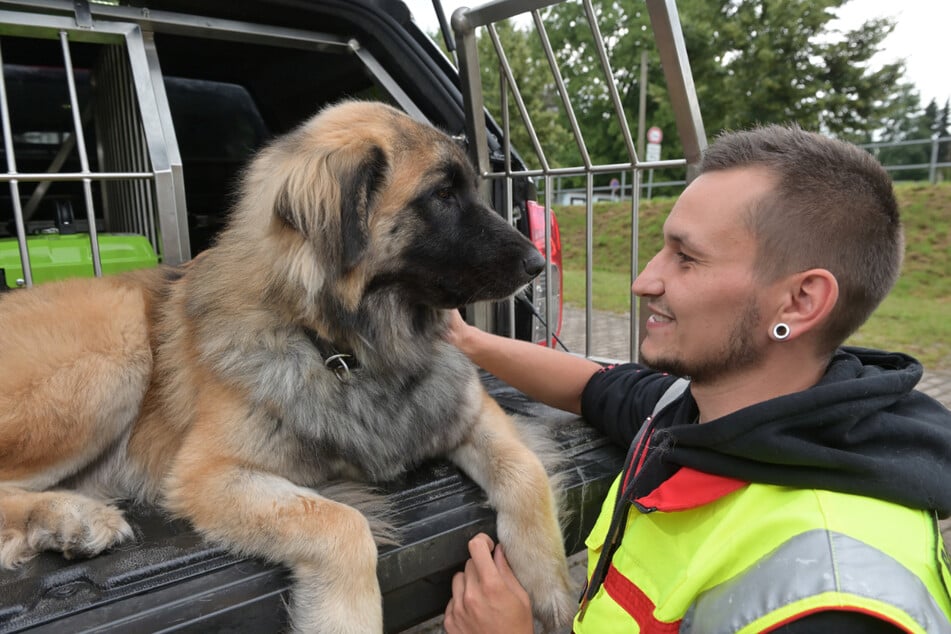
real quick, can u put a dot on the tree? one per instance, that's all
(753, 61)
(531, 74)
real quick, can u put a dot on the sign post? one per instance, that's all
(654, 136)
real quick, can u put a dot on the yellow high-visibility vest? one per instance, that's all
(763, 555)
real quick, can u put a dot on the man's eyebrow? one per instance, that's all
(684, 240)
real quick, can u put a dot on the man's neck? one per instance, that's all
(773, 378)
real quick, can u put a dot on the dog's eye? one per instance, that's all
(445, 193)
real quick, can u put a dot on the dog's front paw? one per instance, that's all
(542, 569)
(75, 525)
(555, 609)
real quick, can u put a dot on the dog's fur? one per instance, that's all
(204, 388)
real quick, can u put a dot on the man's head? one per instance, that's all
(779, 222)
(832, 208)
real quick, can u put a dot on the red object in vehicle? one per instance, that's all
(536, 231)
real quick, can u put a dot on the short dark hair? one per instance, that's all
(833, 207)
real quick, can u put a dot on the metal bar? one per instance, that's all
(480, 313)
(142, 211)
(884, 144)
(635, 339)
(502, 10)
(596, 169)
(933, 169)
(81, 147)
(104, 107)
(548, 292)
(562, 90)
(14, 184)
(506, 124)
(123, 133)
(74, 176)
(588, 262)
(915, 166)
(30, 24)
(642, 105)
(609, 80)
(386, 80)
(170, 22)
(680, 88)
(472, 98)
(156, 126)
(168, 188)
(507, 186)
(519, 102)
(444, 29)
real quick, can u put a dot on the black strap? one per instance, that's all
(621, 504)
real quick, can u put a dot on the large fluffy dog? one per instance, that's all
(306, 346)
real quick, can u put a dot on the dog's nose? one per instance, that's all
(534, 263)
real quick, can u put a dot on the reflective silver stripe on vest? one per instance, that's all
(671, 394)
(809, 564)
(674, 391)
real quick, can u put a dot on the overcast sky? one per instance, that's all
(923, 29)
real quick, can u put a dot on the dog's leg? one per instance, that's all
(69, 522)
(72, 377)
(519, 490)
(328, 546)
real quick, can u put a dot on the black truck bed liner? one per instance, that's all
(169, 579)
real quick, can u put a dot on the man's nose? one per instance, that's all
(648, 282)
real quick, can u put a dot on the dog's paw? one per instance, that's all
(14, 549)
(76, 526)
(555, 610)
(544, 575)
(538, 561)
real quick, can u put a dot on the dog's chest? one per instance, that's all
(378, 422)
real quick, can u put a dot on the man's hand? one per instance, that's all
(458, 328)
(486, 597)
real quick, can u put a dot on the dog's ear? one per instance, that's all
(358, 191)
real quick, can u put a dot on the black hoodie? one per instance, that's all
(862, 429)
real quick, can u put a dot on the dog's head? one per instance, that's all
(365, 199)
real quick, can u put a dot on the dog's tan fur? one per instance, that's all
(197, 388)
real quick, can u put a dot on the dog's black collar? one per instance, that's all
(343, 364)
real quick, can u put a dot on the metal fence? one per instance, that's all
(937, 149)
(150, 177)
(903, 168)
(670, 45)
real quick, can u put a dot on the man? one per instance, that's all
(794, 485)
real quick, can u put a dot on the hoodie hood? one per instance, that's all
(863, 429)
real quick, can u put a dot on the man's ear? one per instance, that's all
(807, 301)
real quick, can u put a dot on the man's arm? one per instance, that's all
(553, 377)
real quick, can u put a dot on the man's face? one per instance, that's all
(703, 299)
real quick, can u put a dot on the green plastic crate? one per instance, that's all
(59, 256)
